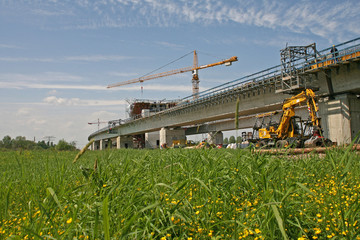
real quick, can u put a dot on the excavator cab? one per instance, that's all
(264, 125)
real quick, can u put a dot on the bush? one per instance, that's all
(65, 146)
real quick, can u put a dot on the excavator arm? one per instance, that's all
(289, 105)
(287, 131)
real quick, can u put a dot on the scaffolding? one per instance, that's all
(293, 64)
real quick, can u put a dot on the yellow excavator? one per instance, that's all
(291, 130)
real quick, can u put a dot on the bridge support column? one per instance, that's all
(340, 118)
(170, 136)
(215, 138)
(102, 144)
(95, 145)
(152, 140)
(124, 142)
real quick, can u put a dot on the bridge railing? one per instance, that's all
(235, 84)
(344, 51)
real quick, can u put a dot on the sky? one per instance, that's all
(58, 56)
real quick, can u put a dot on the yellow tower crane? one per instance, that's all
(194, 69)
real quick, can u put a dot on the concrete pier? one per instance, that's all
(341, 118)
(215, 138)
(169, 136)
(152, 140)
(124, 142)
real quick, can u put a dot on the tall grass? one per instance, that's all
(179, 194)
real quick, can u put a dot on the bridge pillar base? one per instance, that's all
(152, 140)
(340, 118)
(124, 142)
(103, 144)
(170, 136)
(95, 146)
(215, 138)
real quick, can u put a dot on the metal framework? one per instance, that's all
(293, 60)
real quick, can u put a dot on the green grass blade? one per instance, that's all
(203, 184)
(279, 221)
(106, 220)
(54, 196)
(96, 224)
(305, 188)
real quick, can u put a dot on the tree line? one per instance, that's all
(20, 142)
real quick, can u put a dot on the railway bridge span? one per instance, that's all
(334, 72)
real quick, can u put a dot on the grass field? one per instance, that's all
(179, 194)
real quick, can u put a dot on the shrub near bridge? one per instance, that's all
(179, 194)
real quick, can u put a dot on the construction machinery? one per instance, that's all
(194, 69)
(291, 130)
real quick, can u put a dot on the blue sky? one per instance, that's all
(57, 57)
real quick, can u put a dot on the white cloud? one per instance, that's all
(61, 101)
(9, 46)
(170, 45)
(36, 122)
(305, 16)
(156, 87)
(23, 111)
(53, 100)
(52, 92)
(122, 74)
(14, 80)
(54, 80)
(24, 59)
(92, 58)
(43, 12)
(103, 115)
(97, 58)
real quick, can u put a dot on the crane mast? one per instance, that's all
(194, 68)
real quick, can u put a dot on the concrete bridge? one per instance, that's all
(335, 72)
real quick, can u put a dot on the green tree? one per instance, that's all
(232, 139)
(226, 140)
(42, 144)
(7, 142)
(65, 146)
